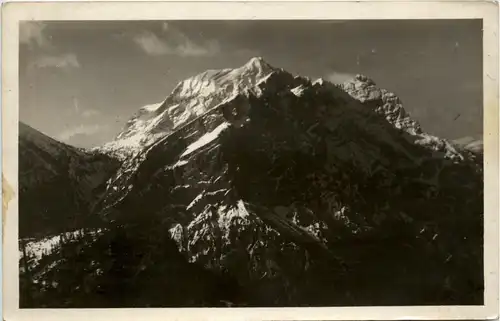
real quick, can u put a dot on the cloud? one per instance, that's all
(86, 136)
(339, 77)
(31, 33)
(64, 61)
(151, 44)
(86, 130)
(76, 105)
(171, 41)
(90, 113)
(85, 113)
(191, 49)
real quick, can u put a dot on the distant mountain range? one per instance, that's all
(256, 187)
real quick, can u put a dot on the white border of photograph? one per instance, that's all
(18, 11)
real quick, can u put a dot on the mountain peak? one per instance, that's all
(258, 63)
(190, 98)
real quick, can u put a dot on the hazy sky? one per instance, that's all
(81, 81)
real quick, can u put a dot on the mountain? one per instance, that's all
(57, 183)
(190, 99)
(288, 191)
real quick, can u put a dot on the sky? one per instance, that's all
(81, 81)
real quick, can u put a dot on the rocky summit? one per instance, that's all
(256, 187)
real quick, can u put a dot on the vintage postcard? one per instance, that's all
(250, 160)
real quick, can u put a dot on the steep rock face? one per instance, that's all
(293, 180)
(57, 183)
(390, 106)
(296, 193)
(384, 102)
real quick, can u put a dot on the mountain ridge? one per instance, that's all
(56, 181)
(169, 115)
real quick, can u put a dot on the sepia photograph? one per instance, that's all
(272, 163)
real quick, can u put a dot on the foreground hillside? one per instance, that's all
(58, 183)
(254, 187)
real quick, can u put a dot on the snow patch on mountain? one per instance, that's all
(152, 107)
(297, 91)
(177, 164)
(205, 139)
(36, 249)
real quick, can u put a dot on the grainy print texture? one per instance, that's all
(273, 163)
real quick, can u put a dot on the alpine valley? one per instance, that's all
(254, 187)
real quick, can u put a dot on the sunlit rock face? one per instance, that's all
(190, 99)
